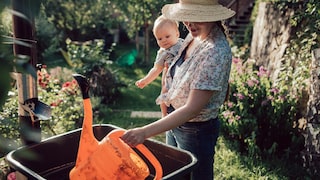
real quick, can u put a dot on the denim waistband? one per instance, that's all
(201, 122)
(170, 109)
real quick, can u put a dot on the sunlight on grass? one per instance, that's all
(229, 164)
(134, 98)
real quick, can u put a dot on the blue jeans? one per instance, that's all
(200, 139)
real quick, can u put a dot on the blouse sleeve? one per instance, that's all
(160, 58)
(211, 71)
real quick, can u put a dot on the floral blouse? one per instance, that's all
(207, 68)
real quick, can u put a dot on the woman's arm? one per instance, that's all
(196, 102)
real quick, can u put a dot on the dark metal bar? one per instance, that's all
(23, 29)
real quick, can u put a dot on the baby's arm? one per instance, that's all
(151, 76)
(164, 109)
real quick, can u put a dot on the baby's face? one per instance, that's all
(166, 36)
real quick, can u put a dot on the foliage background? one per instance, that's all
(72, 27)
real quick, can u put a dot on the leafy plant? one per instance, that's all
(89, 59)
(260, 115)
(64, 99)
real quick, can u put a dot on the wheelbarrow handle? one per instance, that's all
(117, 133)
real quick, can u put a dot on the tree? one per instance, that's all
(142, 14)
(78, 19)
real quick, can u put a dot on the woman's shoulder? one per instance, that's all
(217, 42)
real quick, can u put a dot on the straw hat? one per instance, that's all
(197, 11)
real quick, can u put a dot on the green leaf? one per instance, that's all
(66, 57)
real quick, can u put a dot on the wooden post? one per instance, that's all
(23, 30)
(311, 153)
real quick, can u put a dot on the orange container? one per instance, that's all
(114, 159)
(110, 158)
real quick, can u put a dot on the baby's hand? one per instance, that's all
(140, 84)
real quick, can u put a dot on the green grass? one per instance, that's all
(134, 98)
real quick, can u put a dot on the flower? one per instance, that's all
(239, 95)
(262, 71)
(250, 83)
(230, 104)
(238, 63)
(236, 60)
(43, 78)
(274, 90)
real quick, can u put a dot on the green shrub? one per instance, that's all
(89, 58)
(258, 114)
(65, 100)
(66, 105)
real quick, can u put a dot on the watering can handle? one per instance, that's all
(145, 151)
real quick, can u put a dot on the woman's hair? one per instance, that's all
(223, 28)
(161, 20)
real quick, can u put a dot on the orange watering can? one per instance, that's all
(111, 158)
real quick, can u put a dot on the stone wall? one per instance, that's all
(311, 153)
(271, 35)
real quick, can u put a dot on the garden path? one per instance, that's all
(145, 114)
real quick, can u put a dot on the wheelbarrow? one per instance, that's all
(56, 157)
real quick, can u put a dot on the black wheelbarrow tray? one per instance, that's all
(53, 158)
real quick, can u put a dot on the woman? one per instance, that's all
(199, 76)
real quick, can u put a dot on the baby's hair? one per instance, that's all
(162, 20)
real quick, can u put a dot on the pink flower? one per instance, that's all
(250, 83)
(239, 95)
(262, 71)
(238, 65)
(227, 114)
(230, 104)
(282, 97)
(256, 81)
(236, 60)
(230, 120)
(274, 90)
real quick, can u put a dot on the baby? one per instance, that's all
(167, 35)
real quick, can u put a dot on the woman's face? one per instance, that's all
(199, 29)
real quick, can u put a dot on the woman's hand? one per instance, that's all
(133, 137)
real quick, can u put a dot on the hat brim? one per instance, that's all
(196, 13)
